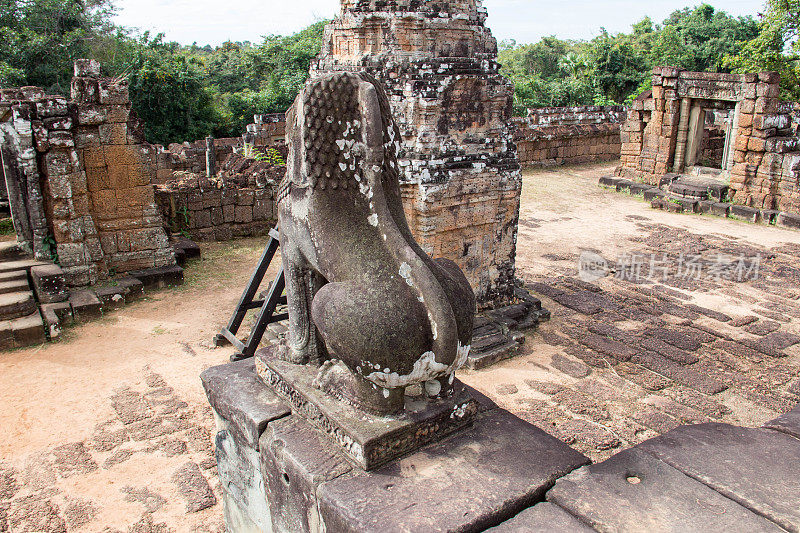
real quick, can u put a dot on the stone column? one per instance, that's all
(697, 119)
(683, 135)
(211, 158)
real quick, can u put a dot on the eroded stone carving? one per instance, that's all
(366, 304)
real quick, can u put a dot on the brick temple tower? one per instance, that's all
(460, 173)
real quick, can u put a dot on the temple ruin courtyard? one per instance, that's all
(109, 429)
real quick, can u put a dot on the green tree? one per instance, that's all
(40, 39)
(775, 48)
(168, 93)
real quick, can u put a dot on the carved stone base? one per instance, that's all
(368, 440)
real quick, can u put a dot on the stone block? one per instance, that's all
(367, 440)
(112, 297)
(94, 158)
(503, 478)
(88, 68)
(91, 114)
(720, 209)
(28, 330)
(84, 91)
(160, 277)
(635, 488)
(85, 305)
(749, 214)
(52, 106)
(114, 92)
(788, 220)
(116, 155)
(769, 77)
(653, 193)
(49, 283)
(768, 217)
(241, 399)
(116, 133)
(58, 123)
(243, 214)
(609, 181)
(723, 457)
(133, 287)
(55, 316)
(245, 197)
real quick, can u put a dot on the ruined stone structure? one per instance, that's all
(672, 128)
(268, 129)
(239, 202)
(568, 135)
(459, 170)
(190, 157)
(81, 175)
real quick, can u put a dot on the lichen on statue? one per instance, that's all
(366, 304)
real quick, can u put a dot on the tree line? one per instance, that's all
(189, 92)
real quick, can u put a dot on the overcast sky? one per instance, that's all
(216, 21)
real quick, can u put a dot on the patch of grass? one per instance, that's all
(158, 330)
(7, 227)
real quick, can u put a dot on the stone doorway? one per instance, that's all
(709, 141)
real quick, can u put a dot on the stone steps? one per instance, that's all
(16, 305)
(14, 285)
(13, 275)
(23, 331)
(19, 264)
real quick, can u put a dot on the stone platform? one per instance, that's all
(705, 477)
(279, 473)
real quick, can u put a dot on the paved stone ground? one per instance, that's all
(624, 360)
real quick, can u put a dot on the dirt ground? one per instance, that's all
(108, 428)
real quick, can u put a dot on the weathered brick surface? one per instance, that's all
(96, 178)
(648, 356)
(239, 202)
(568, 135)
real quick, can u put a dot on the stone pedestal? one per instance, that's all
(281, 474)
(367, 440)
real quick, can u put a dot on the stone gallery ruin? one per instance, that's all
(726, 132)
(381, 344)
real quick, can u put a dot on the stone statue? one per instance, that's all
(366, 304)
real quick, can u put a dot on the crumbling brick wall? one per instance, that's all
(268, 129)
(763, 161)
(94, 170)
(119, 166)
(240, 202)
(460, 175)
(190, 157)
(568, 135)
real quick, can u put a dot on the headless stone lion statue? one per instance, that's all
(366, 304)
